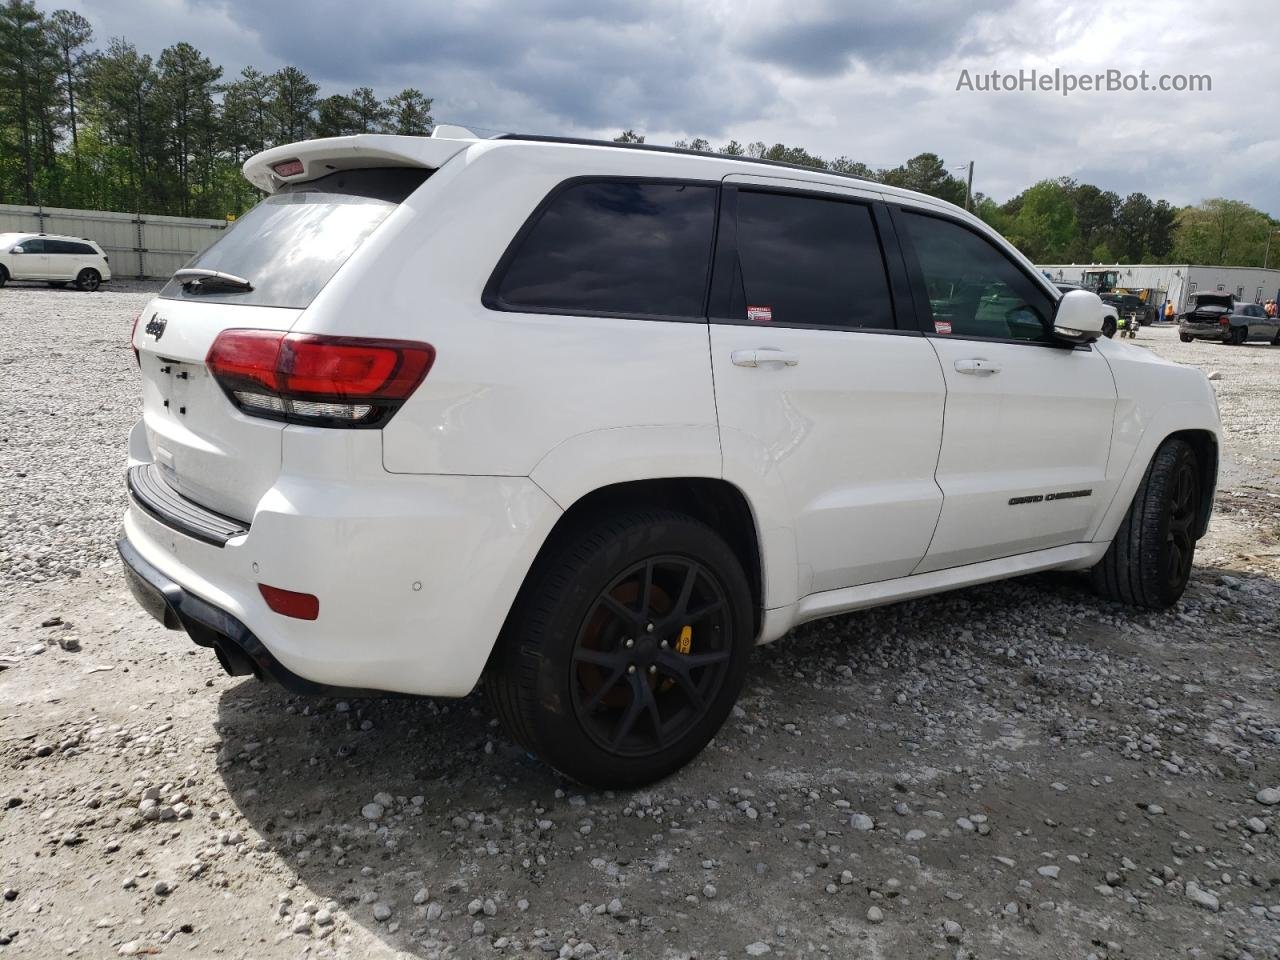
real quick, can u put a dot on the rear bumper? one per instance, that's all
(414, 574)
(1204, 331)
(238, 650)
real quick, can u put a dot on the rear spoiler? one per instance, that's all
(309, 159)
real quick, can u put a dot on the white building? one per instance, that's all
(1174, 281)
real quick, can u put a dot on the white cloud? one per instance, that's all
(871, 80)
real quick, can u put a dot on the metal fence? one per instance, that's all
(137, 245)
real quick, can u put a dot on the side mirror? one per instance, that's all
(1078, 317)
(17, 249)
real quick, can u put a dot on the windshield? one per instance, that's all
(293, 242)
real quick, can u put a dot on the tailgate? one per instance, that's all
(206, 449)
(327, 197)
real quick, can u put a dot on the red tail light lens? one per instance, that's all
(1224, 320)
(290, 603)
(316, 379)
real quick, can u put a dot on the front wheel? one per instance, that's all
(4, 276)
(626, 650)
(1185, 337)
(1238, 336)
(88, 280)
(1149, 561)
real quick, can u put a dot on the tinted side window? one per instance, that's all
(973, 289)
(33, 245)
(806, 260)
(66, 246)
(615, 247)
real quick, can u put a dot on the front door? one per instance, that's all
(33, 262)
(820, 389)
(1024, 453)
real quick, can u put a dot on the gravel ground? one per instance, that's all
(1016, 770)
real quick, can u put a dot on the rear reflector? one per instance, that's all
(289, 603)
(318, 380)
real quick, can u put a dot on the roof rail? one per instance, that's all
(658, 148)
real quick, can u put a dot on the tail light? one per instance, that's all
(318, 380)
(1224, 320)
(290, 603)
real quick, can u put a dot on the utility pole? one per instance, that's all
(1266, 257)
(968, 191)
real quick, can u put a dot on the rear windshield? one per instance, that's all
(293, 242)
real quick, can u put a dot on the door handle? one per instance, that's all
(977, 366)
(763, 355)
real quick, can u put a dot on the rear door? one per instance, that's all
(1023, 464)
(819, 388)
(61, 259)
(288, 247)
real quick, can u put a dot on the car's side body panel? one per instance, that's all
(1155, 399)
(54, 258)
(418, 536)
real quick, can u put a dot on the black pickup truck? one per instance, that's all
(1131, 306)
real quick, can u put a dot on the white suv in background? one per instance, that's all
(589, 421)
(57, 260)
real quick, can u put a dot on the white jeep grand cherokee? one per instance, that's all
(590, 421)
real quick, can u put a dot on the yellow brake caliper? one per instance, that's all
(685, 643)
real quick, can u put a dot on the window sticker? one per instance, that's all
(760, 314)
(943, 327)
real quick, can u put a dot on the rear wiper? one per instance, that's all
(197, 278)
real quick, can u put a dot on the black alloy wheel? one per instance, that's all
(651, 656)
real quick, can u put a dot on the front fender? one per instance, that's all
(1139, 431)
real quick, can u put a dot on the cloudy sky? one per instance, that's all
(875, 81)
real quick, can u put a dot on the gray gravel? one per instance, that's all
(1017, 770)
(69, 393)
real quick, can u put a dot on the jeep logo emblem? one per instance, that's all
(155, 326)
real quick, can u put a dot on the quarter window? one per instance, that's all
(809, 261)
(615, 248)
(973, 289)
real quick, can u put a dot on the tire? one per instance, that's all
(1238, 336)
(1185, 337)
(578, 679)
(4, 276)
(88, 280)
(1149, 561)
(1108, 327)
